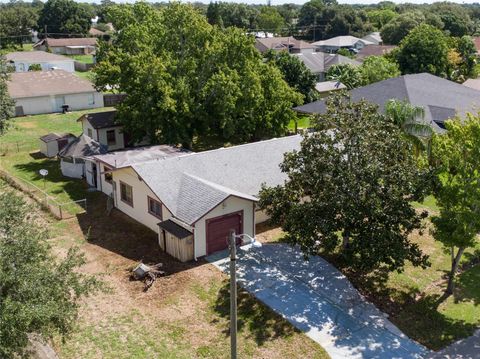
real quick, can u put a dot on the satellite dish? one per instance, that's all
(43, 172)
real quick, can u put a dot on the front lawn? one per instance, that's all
(303, 121)
(185, 314)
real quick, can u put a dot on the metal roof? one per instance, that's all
(342, 41)
(126, 158)
(192, 184)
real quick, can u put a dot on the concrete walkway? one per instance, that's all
(319, 300)
(468, 348)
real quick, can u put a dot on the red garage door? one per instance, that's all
(218, 229)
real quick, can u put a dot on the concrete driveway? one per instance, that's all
(319, 300)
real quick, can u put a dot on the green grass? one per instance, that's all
(302, 122)
(19, 154)
(413, 298)
(85, 75)
(87, 59)
(430, 203)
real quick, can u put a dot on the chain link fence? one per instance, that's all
(59, 210)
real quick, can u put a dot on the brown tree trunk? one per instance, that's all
(345, 240)
(455, 263)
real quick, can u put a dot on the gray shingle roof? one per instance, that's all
(341, 41)
(83, 147)
(318, 62)
(193, 184)
(439, 97)
(102, 119)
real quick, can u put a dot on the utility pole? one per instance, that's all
(233, 294)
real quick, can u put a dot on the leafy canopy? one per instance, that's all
(38, 292)
(6, 102)
(351, 183)
(457, 151)
(425, 49)
(186, 79)
(62, 17)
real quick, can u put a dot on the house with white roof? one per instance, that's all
(341, 42)
(193, 200)
(22, 60)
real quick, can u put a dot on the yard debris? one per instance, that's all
(147, 273)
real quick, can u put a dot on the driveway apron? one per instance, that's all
(320, 301)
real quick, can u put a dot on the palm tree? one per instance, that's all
(411, 120)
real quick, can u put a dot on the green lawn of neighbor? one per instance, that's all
(19, 154)
(86, 75)
(87, 59)
(302, 122)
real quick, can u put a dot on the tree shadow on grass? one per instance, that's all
(417, 314)
(261, 321)
(468, 286)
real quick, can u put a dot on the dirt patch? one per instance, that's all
(267, 233)
(30, 124)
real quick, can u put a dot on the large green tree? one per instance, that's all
(269, 20)
(186, 79)
(396, 29)
(6, 102)
(16, 23)
(64, 17)
(378, 68)
(39, 293)
(457, 226)
(347, 74)
(349, 188)
(455, 18)
(425, 49)
(294, 71)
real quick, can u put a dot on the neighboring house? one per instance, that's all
(319, 62)
(103, 127)
(52, 143)
(341, 42)
(289, 44)
(68, 46)
(326, 87)
(441, 99)
(23, 59)
(374, 50)
(95, 32)
(38, 92)
(193, 200)
(473, 84)
(76, 159)
(374, 38)
(476, 41)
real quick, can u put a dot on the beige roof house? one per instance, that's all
(22, 60)
(282, 44)
(38, 92)
(68, 46)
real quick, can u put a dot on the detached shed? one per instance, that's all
(77, 159)
(176, 240)
(53, 142)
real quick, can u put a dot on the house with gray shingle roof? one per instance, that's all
(440, 98)
(205, 194)
(319, 62)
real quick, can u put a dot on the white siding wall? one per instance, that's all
(139, 211)
(104, 186)
(73, 170)
(89, 173)
(49, 149)
(47, 104)
(87, 126)
(102, 138)
(230, 205)
(22, 66)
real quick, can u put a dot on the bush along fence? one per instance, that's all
(59, 210)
